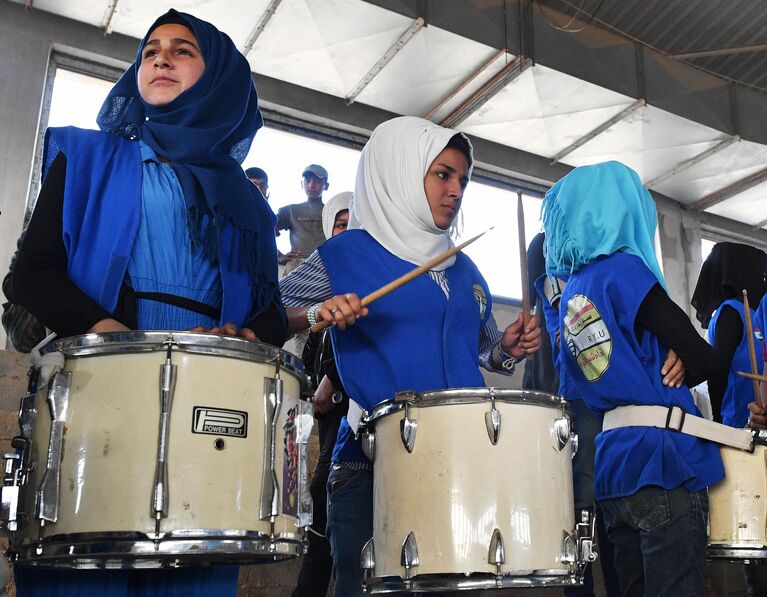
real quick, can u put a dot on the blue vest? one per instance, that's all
(739, 390)
(414, 338)
(760, 328)
(102, 201)
(609, 368)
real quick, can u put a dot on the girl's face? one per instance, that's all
(342, 222)
(171, 62)
(444, 184)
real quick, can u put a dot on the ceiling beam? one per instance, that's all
(625, 113)
(485, 93)
(266, 16)
(761, 224)
(720, 52)
(109, 15)
(696, 159)
(466, 82)
(414, 28)
(729, 191)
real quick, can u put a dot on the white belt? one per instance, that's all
(675, 419)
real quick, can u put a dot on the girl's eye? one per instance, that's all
(149, 53)
(443, 175)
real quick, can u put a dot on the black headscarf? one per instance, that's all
(727, 271)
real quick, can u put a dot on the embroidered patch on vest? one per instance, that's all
(587, 337)
(479, 296)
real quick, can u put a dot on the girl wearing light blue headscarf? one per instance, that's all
(596, 211)
(617, 322)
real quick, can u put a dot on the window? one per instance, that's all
(706, 246)
(497, 253)
(75, 97)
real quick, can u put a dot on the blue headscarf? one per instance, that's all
(596, 211)
(206, 133)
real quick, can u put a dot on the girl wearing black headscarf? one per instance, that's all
(718, 300)
(150, 223)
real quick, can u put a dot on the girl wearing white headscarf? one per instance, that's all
(430, 334)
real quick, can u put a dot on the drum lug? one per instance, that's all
(305, 503)
(574, 444)
(493, 424)
(27, 415)
(369, 445)
(368, 557)
(269, 485)
(409, 557)
(408, 429)
(47, 496)
(562, 432)
(569, 550)
(496, 554)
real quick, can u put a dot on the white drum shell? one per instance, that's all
(738, 503)
(456, 488)
(110, 449)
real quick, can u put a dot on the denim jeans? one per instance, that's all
(659, 538)
(350, 525)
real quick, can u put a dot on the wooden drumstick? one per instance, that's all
(753, 376)
(402, 280)
(751, 347)
(523, 260)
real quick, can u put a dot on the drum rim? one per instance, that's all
(464, 396)
(137, 550)
(457, 581)
(189, 342)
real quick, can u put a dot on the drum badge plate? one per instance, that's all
(219, 421)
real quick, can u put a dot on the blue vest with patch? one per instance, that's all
(413, 339)
(739, 390)
(609, 367)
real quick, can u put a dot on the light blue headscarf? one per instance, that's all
(595, 211)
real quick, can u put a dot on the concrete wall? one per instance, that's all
(26, 39)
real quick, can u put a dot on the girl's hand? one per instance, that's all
(342, 310)
(518, 342)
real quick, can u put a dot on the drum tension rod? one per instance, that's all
(160, 489)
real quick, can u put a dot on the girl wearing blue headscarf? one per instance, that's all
(151, 223)
(617, 322)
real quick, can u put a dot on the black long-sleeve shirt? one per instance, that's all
(663, 318)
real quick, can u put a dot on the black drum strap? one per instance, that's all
(180, 301)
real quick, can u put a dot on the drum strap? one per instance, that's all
(180, 301)
(675, 419)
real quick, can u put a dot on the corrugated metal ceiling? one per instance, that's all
(334, 46)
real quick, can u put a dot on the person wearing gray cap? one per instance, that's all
(304, 220)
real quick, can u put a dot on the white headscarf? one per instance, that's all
(389, 199)
(336, 203)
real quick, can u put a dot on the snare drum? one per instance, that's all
(472, 490)
(153, 449)
(738, 507)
